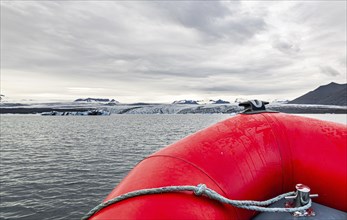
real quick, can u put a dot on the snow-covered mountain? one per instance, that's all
(96, 100)
(194, 102)
(201, 102)
(240, 100)
(281, 101)
(220, 101)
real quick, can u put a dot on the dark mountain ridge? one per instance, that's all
(330, 94)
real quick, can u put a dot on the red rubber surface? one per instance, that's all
(251, 157)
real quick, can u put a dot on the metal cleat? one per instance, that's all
(301, 198)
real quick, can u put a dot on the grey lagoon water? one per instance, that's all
(60, 167)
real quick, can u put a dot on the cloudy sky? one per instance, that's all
(159, 51)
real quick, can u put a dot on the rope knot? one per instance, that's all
(200, 189)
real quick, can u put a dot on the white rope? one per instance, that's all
(199, 190)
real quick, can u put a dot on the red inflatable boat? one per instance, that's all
(254, 156)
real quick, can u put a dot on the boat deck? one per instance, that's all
(322, 213)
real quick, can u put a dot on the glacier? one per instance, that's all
(154, 108)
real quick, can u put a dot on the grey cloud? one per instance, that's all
(246, 89)
(78, 37)
(267, 88)
(196, 15)
(82, 39)
(342, 61)
(190, 46)
(259, 71)
(328, 70)
(325, 14)
(216, 19)
(286, 47)
(243, 28)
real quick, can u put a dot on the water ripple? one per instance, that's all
(61, 167)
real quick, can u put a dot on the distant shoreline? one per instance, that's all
(36, 110)
(294, 109)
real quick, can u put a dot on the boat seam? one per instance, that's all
(278, 147)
